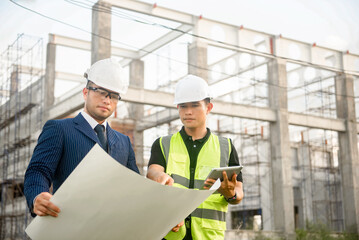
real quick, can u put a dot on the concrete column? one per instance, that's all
(136, 110)
(101, 32)
(197, 54)
(282, 187)
(197, 59)
(306, 214)
(50, 73)
(348, 145)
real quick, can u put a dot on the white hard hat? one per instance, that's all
(107, 73)
(191, 89)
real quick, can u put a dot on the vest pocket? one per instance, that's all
(177, 166)
(212, 224)
(205, 231)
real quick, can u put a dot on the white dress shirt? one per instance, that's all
(93, 123)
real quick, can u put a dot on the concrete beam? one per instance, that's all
(151, 97)
(304, 120)
(64, 41)
(158, 118)
(243, 111)
(70, 77)
(152, 10)
(70, 42)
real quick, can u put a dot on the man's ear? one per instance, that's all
(84, 92)
(209, 107)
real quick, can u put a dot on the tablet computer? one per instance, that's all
(217, 172)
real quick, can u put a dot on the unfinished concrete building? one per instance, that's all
(291, 109)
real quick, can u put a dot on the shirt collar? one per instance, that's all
(93, 123)
(186, 137)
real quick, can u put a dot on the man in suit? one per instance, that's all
(64, 143)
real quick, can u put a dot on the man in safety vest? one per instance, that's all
(185, 158)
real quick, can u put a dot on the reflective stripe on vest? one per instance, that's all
(208, 220)
(209, 214)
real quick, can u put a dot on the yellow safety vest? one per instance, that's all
(208, 221)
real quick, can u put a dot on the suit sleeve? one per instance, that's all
(42, 167)
(131, 163)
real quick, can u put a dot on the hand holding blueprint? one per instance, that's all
(102, 199)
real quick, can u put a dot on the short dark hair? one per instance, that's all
(207, 100)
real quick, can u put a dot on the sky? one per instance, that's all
(328, 23)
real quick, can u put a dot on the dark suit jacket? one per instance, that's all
(60, 148)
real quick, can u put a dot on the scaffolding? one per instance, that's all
(21, 115)
(315, 151)
(317, 178)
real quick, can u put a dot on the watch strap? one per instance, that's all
(231, 199)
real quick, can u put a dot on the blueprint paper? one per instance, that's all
(102, 199)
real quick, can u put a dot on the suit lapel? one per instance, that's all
(118, 146)
(84, 127)
(111, 136)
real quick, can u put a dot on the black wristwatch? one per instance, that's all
(232, 199)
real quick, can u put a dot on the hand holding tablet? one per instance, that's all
(217, 172)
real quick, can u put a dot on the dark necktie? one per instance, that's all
(100, 130)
